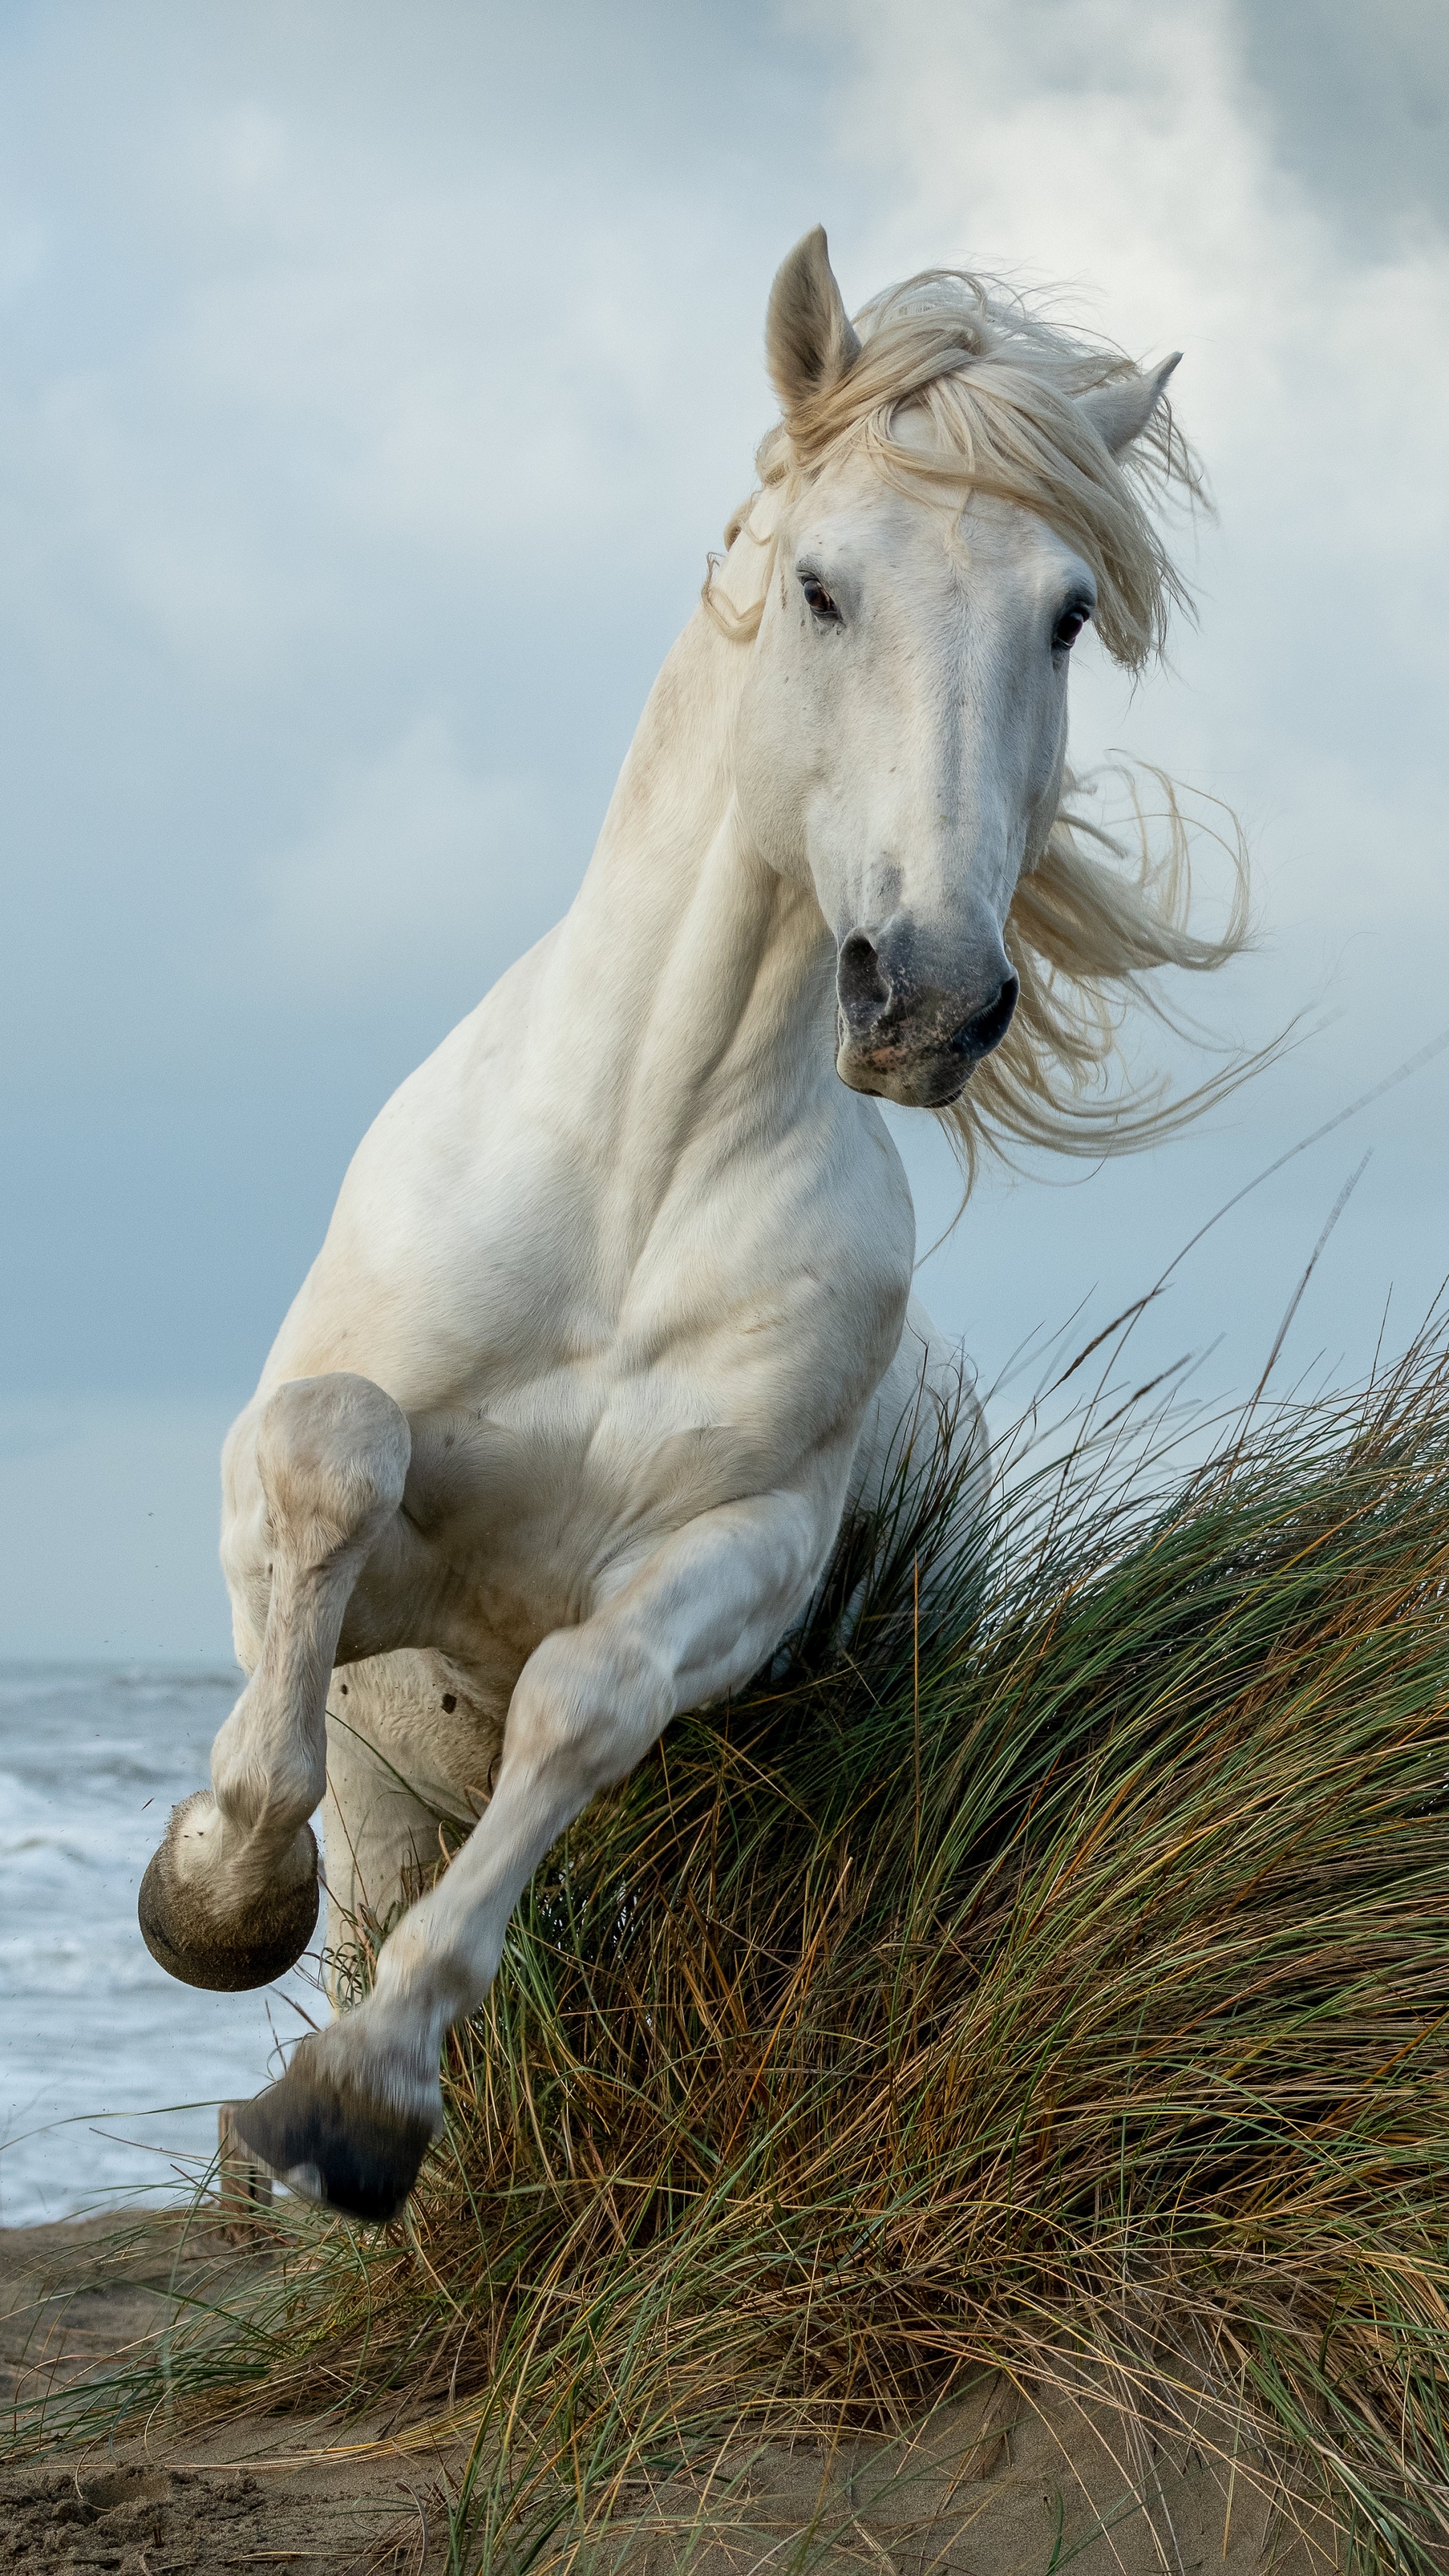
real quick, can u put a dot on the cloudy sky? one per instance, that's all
(372, 382)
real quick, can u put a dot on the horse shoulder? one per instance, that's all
(426, 1187)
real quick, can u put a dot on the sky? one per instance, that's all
(372, 384)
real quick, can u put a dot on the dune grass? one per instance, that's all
(1049, 1979)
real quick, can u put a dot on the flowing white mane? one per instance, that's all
(998, 385)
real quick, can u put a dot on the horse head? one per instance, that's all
(945, 516)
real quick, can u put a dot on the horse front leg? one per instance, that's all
(230, 1898)
(349, 2122)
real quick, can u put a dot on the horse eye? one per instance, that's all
(818, 600)
(1068, 627)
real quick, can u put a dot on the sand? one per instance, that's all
(246, 2496)
(1004, 2484)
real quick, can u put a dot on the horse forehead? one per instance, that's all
(861, 500)
(995, 534)
(856, 516)
(894, 545)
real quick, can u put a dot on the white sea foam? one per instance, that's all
(95, 2039)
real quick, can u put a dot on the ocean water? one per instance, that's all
(110, 2072)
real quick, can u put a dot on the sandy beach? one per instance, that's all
(1008, 2483)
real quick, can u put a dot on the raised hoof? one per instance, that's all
(229, 1957)
(334, 2145)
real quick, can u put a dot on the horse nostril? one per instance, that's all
(987, 1027)
(863, 988)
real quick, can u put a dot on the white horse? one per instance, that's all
(613, 1319)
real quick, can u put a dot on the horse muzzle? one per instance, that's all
(908, 1035)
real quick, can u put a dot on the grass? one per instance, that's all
(1053, 1982)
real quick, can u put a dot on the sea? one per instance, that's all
(111, 2073)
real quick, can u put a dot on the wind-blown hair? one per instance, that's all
(998, 386)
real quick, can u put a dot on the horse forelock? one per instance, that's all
(997, 385)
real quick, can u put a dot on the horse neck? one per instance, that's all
(703, 979)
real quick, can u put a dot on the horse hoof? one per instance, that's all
(226, 1953)
(334, 2144)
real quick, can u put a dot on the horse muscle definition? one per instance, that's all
(613, 1323)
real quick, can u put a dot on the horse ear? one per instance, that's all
(809, 341)
(1120, 412)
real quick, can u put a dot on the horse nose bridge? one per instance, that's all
(944, 840)
(966, 840)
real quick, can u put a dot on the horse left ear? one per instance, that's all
(809, 341)
(1120, 412)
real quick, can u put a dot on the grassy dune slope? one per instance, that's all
(1055, 1982)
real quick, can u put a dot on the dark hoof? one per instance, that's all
(229, 1957)
(334, 2144)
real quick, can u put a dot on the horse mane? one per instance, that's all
(998, 383)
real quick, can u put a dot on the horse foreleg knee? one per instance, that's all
(230, 1899)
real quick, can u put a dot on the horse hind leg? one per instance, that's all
(413, 1740)
(230, 1898)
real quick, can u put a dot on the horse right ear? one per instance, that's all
(809, 341)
